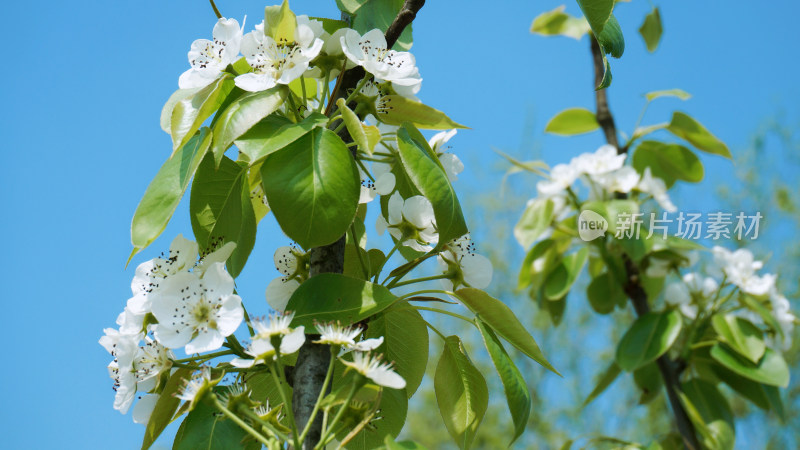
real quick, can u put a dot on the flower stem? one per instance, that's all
(444, 338)
(353, 389)
(240, 422)
(273, 369)
(442, 311)
(358, 252)
(265, 424)
(360, 84)
(388, 255)
(204, 357)
(395, 284)
(314, 412)
(216, 10)
(293, 107)
(324, 91)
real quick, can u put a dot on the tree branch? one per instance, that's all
(633, 287)
(312, 360)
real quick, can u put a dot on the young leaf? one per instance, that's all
(399, 110)
(771, 369)
(764, 396)
(166, 111)
(427, 174)
(572, 121)
(740, 335)
(670, 162)
(354, 127)
(405, 342)
(597, 12)
(650, 336)
(517, 395)
(461, 393)
(651, 30)
(331, 296)
(221, 210)
(165, 191)
(280, 22)
(557, 22)
(312, 186)
(190, 113)
(535, 220)
(685, 127)
(503, 321)
(274, 133)
(563, 277)
(603, 382)
(165, 407)
(610, 38)
(243, 114)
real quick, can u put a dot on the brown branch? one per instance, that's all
(633, 286)
(312, 360)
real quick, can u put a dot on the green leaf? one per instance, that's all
(405, 342)
(557, 22)
(393, 409)
(533, 274)
(535, 220)
(740, 335)
(710, 413)
(604, 293)
(679, 93)
(503, 321)
(572, 121)
(329, 297)
(312, 186)
(555, 309)
(165, 191)
(461, 392)
(371, 14)
(310, 84)
(563, 277)
(651, 30)
(221, 210)
(771, 369)
(274, 133)
(169, 107)
(390, 444)
(606, 81)
(764, 396)
(206, 428)
(241, 115)
(685, 127)
(597, 13)
(190, 113)
(165, 407)
(280, 22)
(610, 39)
(648, 379)
(669, 162)
(427, 174)
(517, 395)
(650, 336)
(603, 382)
(399, 109)
(354, 127)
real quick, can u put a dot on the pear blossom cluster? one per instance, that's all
(465, 267)
(696, 293)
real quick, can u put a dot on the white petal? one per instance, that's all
(381, 225)
(217, 280)
(254, 82)
(172, 337)
(418, 211)
(242, 363)
(293, 341)
(285, 260)
(452, 165)
(144, 408)
(368, 344)
(184, 253)
(205, 341)
(230, 315)
(387, 378)
(279, 292)
(175, 296)
(384, 184)
(395, 209)
(219, 255)
(477, 270)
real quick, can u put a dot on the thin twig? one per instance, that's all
(216, 11)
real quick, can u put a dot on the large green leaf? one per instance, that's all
(535, 220)
(518, 396)
(461, 392)
(572, 121)
(651, 30)
(563, 277)
(771, 369)
(557, 22)
(603, 382)
(764, 396)
(650, 336)
(405, 341)
(503, 321)
(604, 293)
(710, 413)
(331, 296)
(165, 191)
(399, 109)
(165, 407)
(190, 113)
(243, 114)
(670, 162)
(312, 186)
(221, 210)
(206, 428)
(597, 12)
(370, 14)
(274, 133)
(648, 379)
(685, 127)
(427, 174)
(740, 335)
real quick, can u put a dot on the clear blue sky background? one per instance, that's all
(84, 82)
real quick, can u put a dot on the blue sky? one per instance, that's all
(84, 82)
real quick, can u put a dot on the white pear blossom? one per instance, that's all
(786, 320)
(623, 180)
(197, 313)
(144, 408)
(209, 58)
(451, 163)
(694, 290)
(561, 177)
(274, 62)
(657, 188)
(379, 372)
(291, 264)
(336, 334)
(370, 52)
(603, 161)
(381, 183)
(411, 221)
(150, 274)
(467, 267)
(198, 386)
(740, 269)
(276, 325)
(262, 350)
